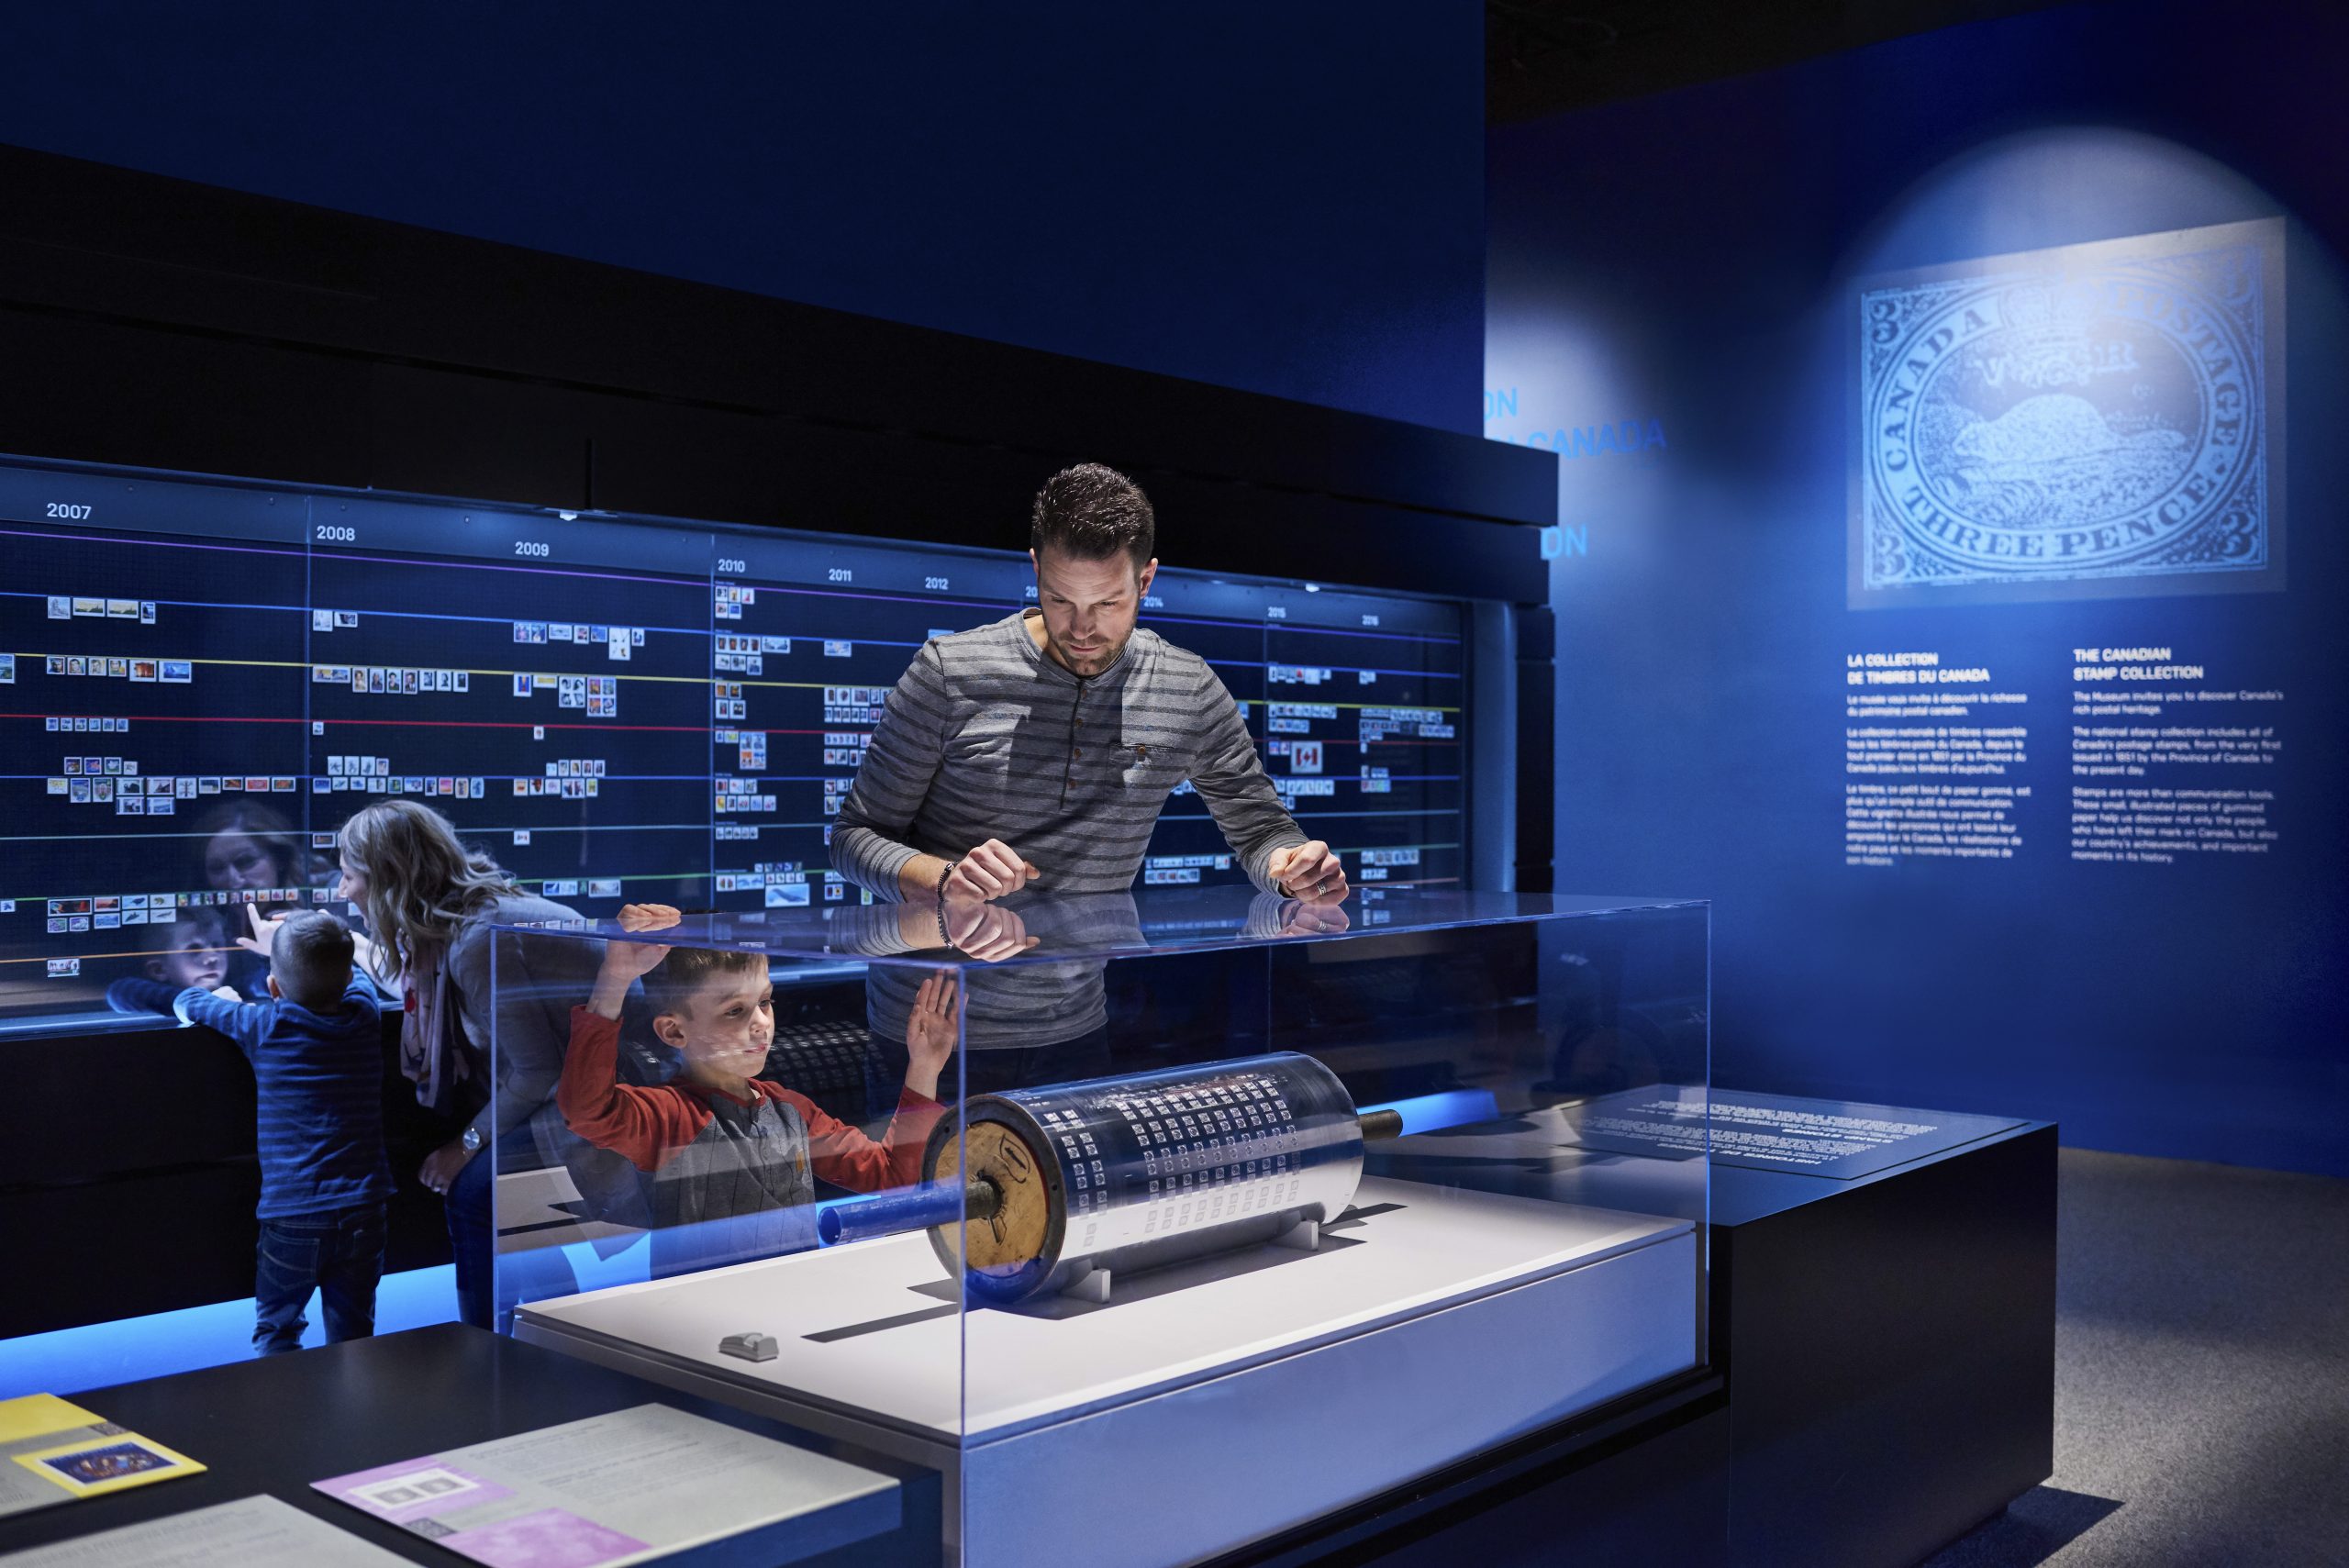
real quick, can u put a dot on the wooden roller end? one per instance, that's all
(1018, 1207)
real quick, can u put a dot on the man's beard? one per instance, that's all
(1090, 663)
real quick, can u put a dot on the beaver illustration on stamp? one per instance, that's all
(2099, 411)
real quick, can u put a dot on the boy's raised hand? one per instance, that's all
(623, 961)
(264, 931)
(630, 960)
(930, 1035)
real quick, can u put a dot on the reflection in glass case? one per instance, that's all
(1193, 1216)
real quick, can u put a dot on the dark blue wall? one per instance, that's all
(1284, 198)
(1685, 263)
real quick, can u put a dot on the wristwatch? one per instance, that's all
(472, 1139)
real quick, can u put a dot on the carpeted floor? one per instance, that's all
(2201, 1375)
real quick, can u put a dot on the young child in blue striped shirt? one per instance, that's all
(316, 1048)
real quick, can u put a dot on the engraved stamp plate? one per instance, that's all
(2098, 419)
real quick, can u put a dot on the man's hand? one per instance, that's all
(623, 961)
(930, 1037)
(227, 993)
(989, 872)
(1309, 873)
(986, 932)
(1302, 920)
(440, 1166)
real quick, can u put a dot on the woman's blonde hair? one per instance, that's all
(422, 883)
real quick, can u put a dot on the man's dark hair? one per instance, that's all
(1092, 513)
(671, 986)
(311, 959)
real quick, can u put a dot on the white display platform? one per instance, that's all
(1203, 1405)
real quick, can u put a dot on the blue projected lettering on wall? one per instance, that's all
(1628, 438)
(2100, 412)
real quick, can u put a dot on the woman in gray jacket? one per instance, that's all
(489, 1013)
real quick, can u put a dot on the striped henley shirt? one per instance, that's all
(987, 736)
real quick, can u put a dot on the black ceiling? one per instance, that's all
(1545, 57)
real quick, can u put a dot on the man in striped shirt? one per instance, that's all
(1042, 747)
(1037, 751)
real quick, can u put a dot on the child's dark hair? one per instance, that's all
(310, 959)
(671, 986)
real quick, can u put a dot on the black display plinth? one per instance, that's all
(1881, 1306)
(1889, 1343)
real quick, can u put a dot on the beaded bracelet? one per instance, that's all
(945, 937)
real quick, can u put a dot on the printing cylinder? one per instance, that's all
(1117, 1174)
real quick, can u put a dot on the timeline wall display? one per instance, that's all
(200, 681)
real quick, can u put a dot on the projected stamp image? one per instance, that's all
(2097, 414)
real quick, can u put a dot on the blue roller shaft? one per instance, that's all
(909, 1209)
(1429, 1113)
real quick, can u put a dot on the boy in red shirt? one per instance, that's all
(716, 1142)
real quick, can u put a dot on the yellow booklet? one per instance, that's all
(62, 1452)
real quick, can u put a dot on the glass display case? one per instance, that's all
(1156, 1224)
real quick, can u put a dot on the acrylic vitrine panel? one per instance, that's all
(674, 1101)
(1187, 1194)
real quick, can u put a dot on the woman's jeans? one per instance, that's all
(530, 1275)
